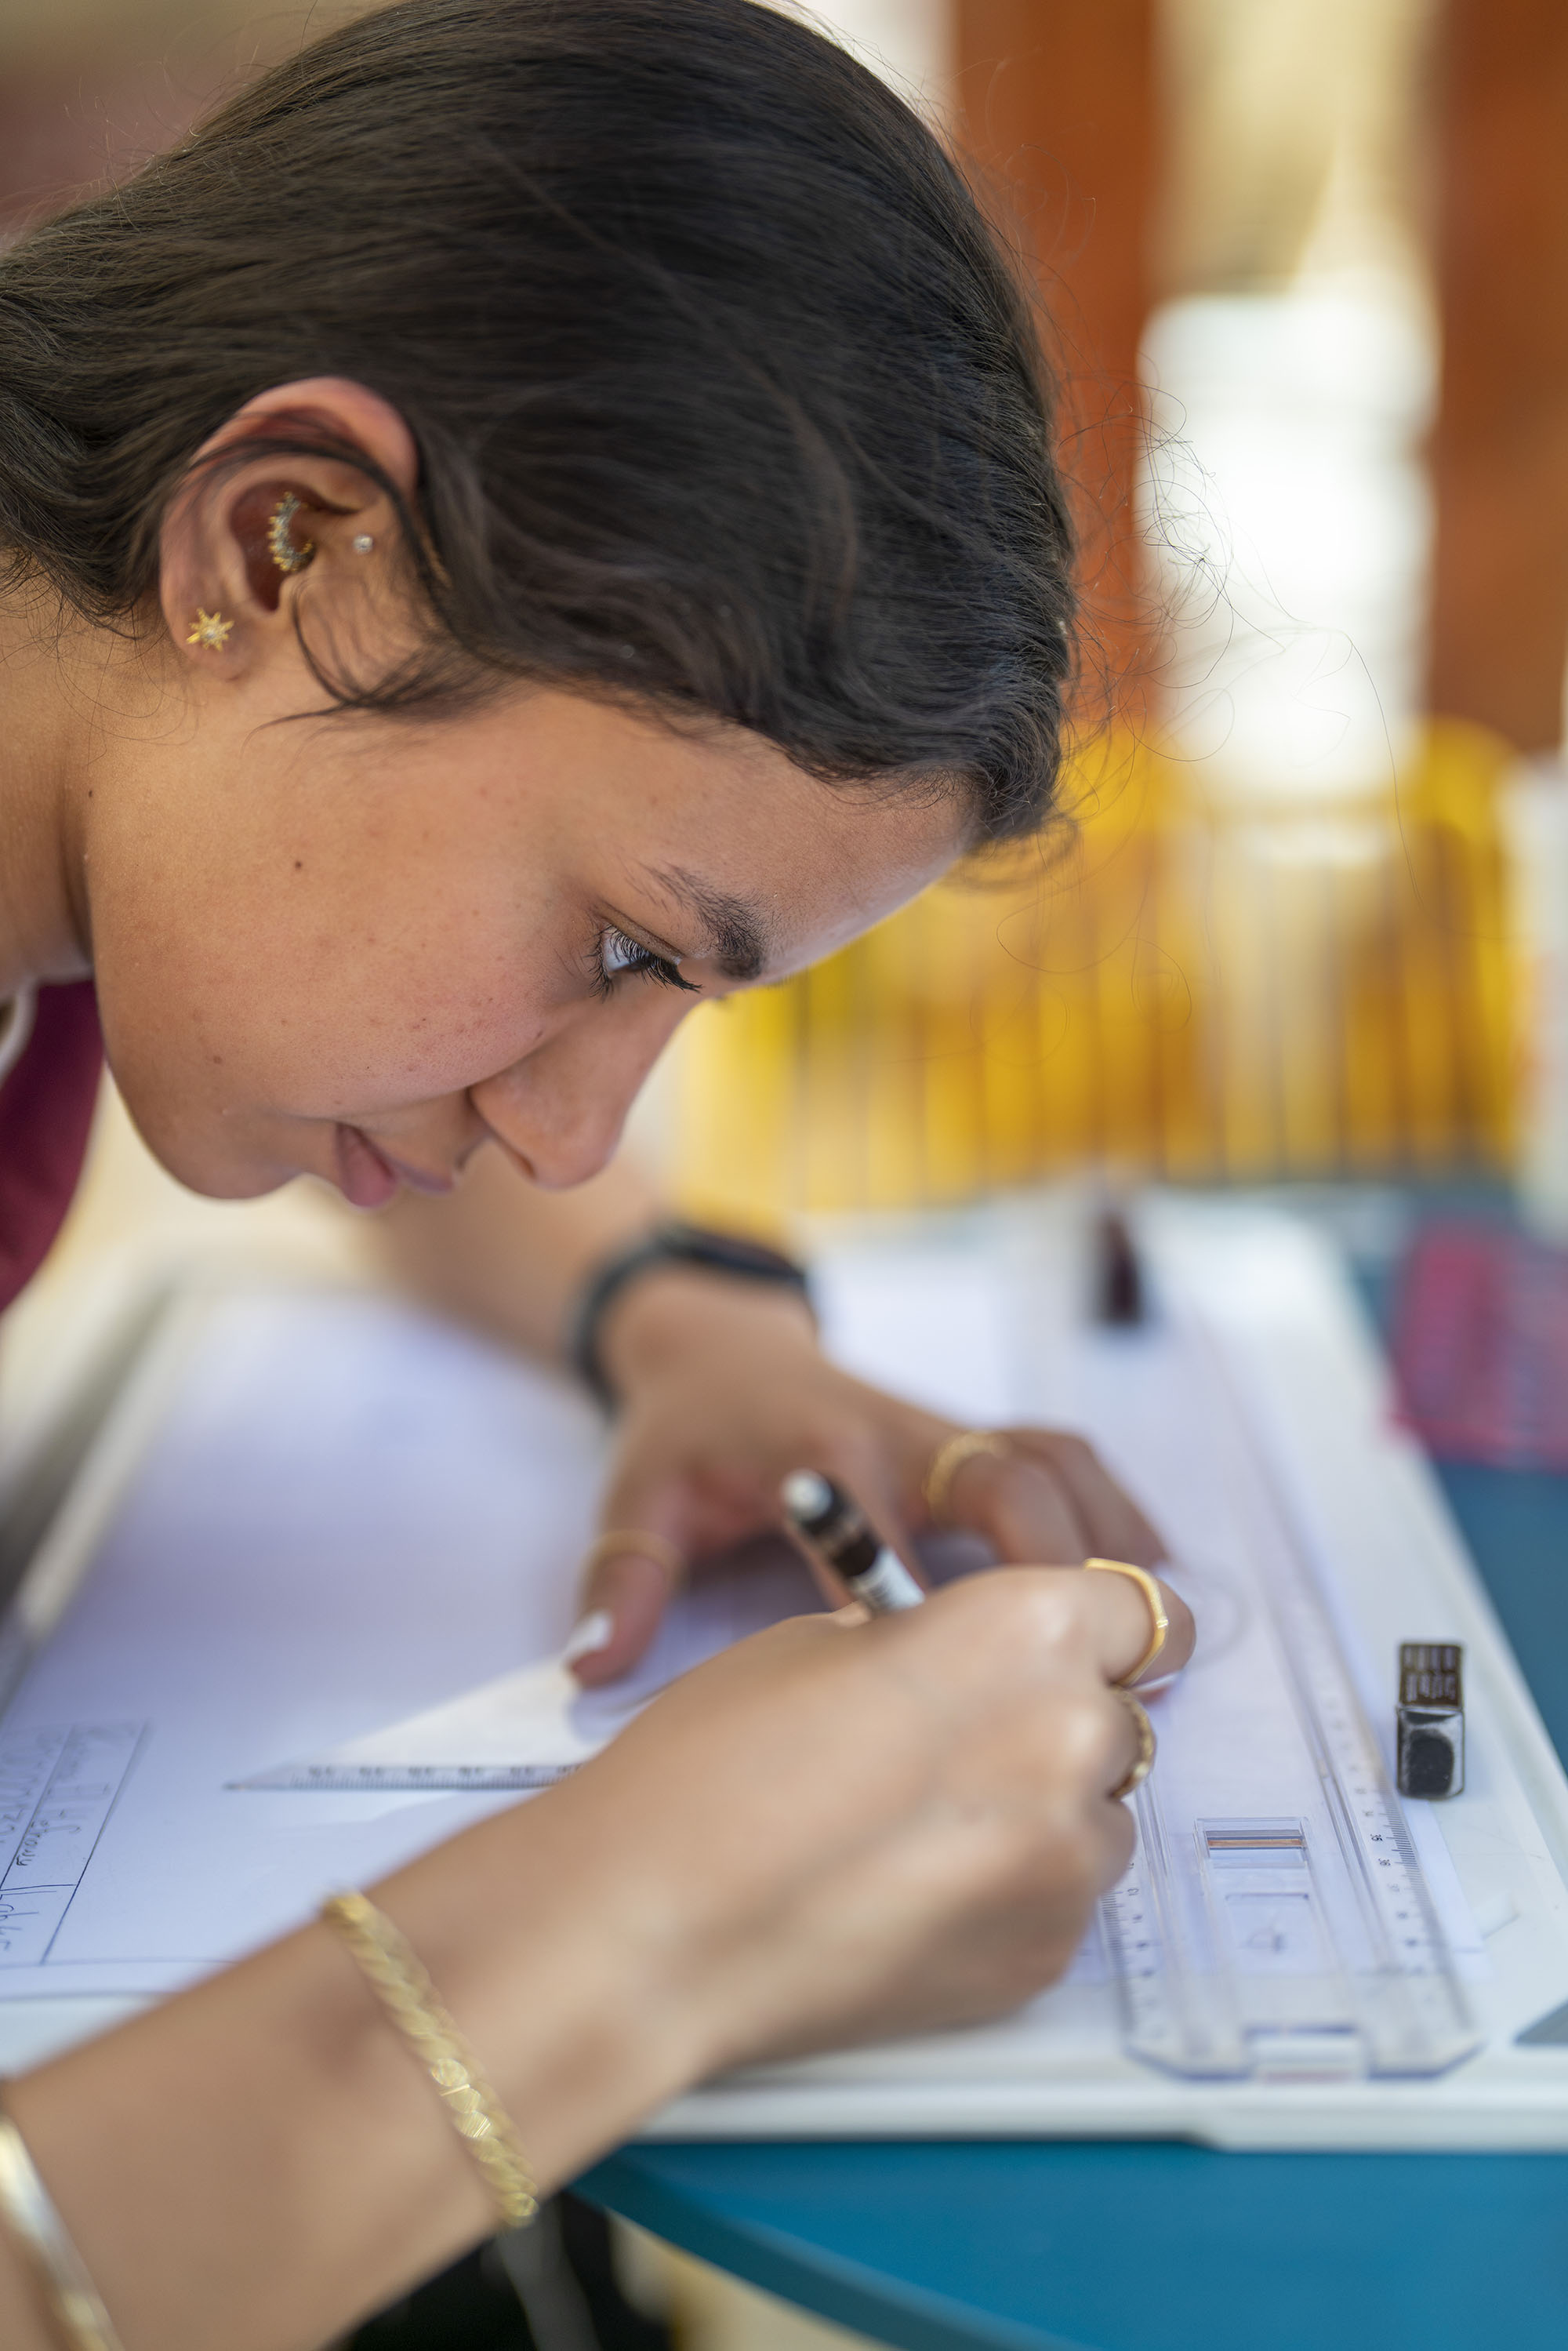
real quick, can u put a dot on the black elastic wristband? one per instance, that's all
(667, 1244)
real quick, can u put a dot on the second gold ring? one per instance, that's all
(618, 1542)
(1144, 1761)
(949, 1459)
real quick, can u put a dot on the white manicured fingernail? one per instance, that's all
(596, 1631)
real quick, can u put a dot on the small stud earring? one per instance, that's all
(209, 629)
(362, 542)
(280, 536)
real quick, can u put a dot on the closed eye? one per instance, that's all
(619, 957)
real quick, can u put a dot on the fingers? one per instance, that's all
(635, 1568)
(1121, 1623)
(846, 1543)
(1111, 1521)
(1024, 1511)
(1049, 1497)
(624, 1596)
(1051, 1625)
(1144, 1748)
(1175, 1650)
(1091, 1732)
(1112, 1751)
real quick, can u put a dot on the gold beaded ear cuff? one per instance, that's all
(280, 536)
(209, 629)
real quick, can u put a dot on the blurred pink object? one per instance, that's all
(1480, 1346)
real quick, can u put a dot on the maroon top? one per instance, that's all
(46, 1110)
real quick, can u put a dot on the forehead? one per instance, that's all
(747, 860)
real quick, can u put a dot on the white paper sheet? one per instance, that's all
(350, 1513)
(540, 1720)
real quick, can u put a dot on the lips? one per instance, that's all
(365, 1179)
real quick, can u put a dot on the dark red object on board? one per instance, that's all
(46, 1114)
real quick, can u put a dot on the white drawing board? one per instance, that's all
(315, 1518)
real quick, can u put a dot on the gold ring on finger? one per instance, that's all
(1144, 1761)
(1159, 1623)
(618, 1542)
(949, 1459)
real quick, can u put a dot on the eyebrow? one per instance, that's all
(735, 928)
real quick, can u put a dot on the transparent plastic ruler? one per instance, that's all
(1274, 1921)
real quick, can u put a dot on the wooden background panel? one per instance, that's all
(1500, 453)
(1059, 110)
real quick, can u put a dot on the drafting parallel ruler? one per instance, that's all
(1299, 1940)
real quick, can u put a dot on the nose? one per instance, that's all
(561, 1108)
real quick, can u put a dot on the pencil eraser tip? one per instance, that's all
(807, 1496)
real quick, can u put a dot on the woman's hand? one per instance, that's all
(833, 1831)
(873, 1828)
(724, 1390)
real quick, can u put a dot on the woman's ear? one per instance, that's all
(246, 538)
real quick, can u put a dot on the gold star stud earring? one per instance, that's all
(209, 629)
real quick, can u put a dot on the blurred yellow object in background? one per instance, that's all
(1169, 983)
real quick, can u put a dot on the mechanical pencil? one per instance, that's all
(836, 1530)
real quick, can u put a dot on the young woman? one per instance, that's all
(532, 517)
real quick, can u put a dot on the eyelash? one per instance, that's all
(641, 963)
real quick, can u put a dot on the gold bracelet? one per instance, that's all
(397, 1976)
(81, 2320)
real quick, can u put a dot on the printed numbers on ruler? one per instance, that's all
(380, 1779)
(1137, 1961)
(1353, 1772)
(1357, 1769)
(1134, 1934)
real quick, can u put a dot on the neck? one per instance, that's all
(43, 790)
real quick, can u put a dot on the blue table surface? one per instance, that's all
(1132, 2246)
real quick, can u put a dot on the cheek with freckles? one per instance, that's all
(371, 1023)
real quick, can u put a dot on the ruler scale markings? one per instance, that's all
(1253, 1977)
(390, 1779)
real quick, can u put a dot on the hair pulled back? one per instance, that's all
(724, 394)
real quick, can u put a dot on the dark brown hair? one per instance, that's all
(724, 392)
